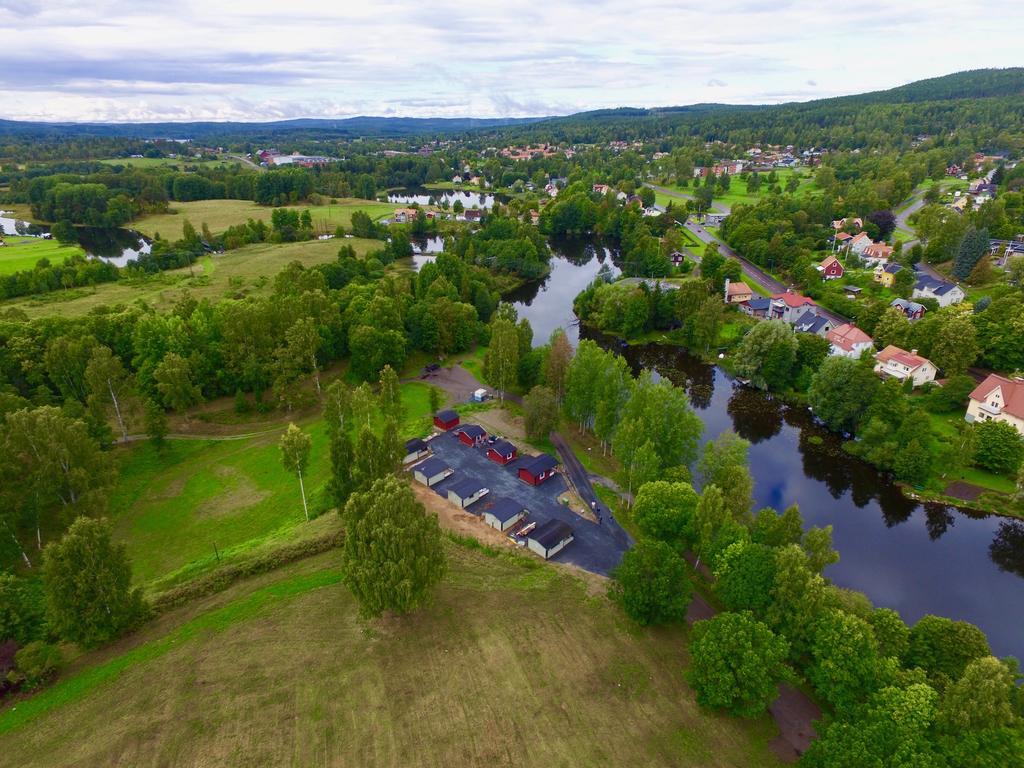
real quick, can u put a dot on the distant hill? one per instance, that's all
(351, 126)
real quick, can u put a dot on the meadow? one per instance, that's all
(513, 663)
(218, 215)
(738, 192)
(22, 253)
(174, 163)
(195, 502)
(241, 272)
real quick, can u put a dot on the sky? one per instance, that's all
(182, 60)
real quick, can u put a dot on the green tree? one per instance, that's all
(540, 409)
(556, 365)
(665, 511)
(436, 399)
(156, 423)
(943, 648)
(108, 384)
(22, 611)
(724, 464)
(973, 246)
(777, 530)
(295, 446)
(89, 593)
(745, 576)
(955, 347)
(651, 584)
(173, 377)
(767, 355)
(892, 634)
(982, 698)
(501, 363)
(799, 598)
(841, 392)
(817, 545)
(736, 663)
(393, 554)
(391, 396)
(1000, 447)
(302, 343)
(844, 659)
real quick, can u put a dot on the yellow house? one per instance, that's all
(886, 274)
(998, 398)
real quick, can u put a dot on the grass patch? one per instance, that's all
(284, 673)
(218, 215)
(22, 253)
(174, 163)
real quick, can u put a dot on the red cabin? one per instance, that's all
(502, 452)
(471, 434)
(538, 469)
(446, 420)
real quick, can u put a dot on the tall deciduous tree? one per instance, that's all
(651, 584)
(540, 409)
(845, 663)
(841, 392)
(736, 663)
(556, 366)
(173, 377)
(767, 354)
(724, 464)
(108, 384)
(393, 554)
(295, 446)
(391, 395)
(665, 511)
(501, 363)
(89, 593)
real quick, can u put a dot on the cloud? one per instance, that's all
(258, 60)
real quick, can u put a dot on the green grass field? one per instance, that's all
(245, 271)
(179, 163)
(173, 506)
(22, 253)
(738, 192)
(514, 663)
(218, 215)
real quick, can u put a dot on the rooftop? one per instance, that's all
(432, 466)
(540, 463)
(847, 335)
(551, 533)
(504, 509)
(1012, 392)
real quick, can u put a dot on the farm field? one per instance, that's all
(218, 215)
(171, 507)
(245, 271)
(179, 163)
(514, 663)
(22, 253)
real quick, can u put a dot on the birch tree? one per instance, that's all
(295, 446)
(108, 385)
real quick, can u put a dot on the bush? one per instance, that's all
(35, 664)
(1000, 447)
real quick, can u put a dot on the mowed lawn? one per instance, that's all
(514, 663)
(218, 215)
(172, 507)
(241, 272)
(22, 253)
(738, 192)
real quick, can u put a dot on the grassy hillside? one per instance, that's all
(248, 270)
(515, 663)
(221, 214)
(22, 253)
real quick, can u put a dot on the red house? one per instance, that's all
(471, 434)
(501, 451)
(538, 469)
(446, 420)
(831, 268)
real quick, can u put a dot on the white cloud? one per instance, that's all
(184, 60)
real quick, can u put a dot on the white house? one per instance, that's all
(946, 294)
(848, 340)
(900, 364)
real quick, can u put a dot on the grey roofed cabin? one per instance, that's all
(467, 491)
(431, 472)
(503, 513)
(415, 449)
(549, 539)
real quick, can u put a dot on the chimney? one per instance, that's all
(913, 351)
(727, 290)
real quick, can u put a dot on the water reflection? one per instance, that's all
(424, 196)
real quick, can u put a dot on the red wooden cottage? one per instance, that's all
(501, 451)
(446, 420)
(831, 268)
(471, 434)
(538, 469)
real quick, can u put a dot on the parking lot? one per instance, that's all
(596, 547)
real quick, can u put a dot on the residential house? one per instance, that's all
(899, 364)
(998, 398)
(756, 307)
(790, 307)
(404, 215)
(831, 268)
(466, 492)
(471, 434)
(840, 223)
(534, 217)
(848, 340)
(911, 309)
(842, 238)
(538, 469)
(738, 292)
(600, 189)
(677, 258)
(877, 253)
(501, 451)
(446, 420)
(550, 538)
(431, 472)
(886, 273)
(945, 293)
(859, 243)
(502, 513)
(812, 322)
(472, 214)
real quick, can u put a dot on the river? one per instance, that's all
(915, 558)
(118, 246)
(425, 196)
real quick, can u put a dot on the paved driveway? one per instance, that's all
(597, 548)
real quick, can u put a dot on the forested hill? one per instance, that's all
(374, 127)
(984, 101)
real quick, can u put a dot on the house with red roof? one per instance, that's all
(859, 243)
(998, 398)
(831, 268)
(790, 307)
(848, 340)
(896, 363)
